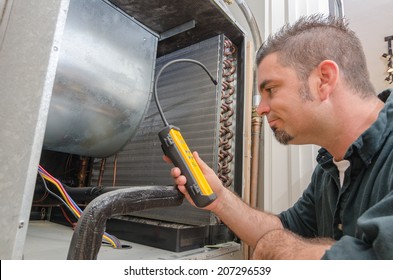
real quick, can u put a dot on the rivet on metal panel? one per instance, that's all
(21, 224)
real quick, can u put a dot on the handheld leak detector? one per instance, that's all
(176, 149)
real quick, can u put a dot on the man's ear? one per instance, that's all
(328, 74)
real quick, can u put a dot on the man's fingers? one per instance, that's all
(166, 159)
(175, 172)
(178, 178)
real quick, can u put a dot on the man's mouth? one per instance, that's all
(272, 123)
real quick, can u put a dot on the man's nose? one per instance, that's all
(263, 108)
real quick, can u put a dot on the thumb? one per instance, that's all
(204, 167)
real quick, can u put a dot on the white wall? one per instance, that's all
(372, 20)
(285, 170)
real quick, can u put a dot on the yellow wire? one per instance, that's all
(109, 240)
(76, 212)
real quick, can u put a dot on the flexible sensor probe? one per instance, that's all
(176, 149)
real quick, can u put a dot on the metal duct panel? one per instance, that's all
(103, 80)
(160, 16)
(191, 102)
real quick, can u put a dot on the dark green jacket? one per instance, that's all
(360, 214)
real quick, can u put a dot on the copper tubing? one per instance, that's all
(246, 250)
(101, 174)
(83, 171)
(228, 90)
(114, 170)
(256, 129)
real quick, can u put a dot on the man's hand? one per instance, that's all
(209, 174)
(247, 223)
(282, 244)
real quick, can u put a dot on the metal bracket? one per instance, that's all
(177, 30)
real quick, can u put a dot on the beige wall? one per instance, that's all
(372, 20)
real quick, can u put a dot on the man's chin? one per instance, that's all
(282, 136)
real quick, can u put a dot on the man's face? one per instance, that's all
(285, 101)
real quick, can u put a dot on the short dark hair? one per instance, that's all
(312, 39)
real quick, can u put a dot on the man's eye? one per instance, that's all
(270, 90)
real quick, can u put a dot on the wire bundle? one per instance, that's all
(70, 203)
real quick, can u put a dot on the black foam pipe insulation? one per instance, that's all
(87, 238)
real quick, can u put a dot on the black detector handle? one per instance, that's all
(176, 149)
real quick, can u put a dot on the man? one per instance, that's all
(315, 89)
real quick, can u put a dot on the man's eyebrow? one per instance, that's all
(263, 84)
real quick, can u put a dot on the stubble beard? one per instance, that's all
(282, 136)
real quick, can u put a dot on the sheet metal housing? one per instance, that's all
(103, 80)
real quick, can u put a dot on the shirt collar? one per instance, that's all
(367, 144)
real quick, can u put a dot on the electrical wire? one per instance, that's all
(73, 224)
(159, 74)
(55, 195)
(70, 203)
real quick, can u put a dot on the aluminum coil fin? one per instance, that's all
(191, 102)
